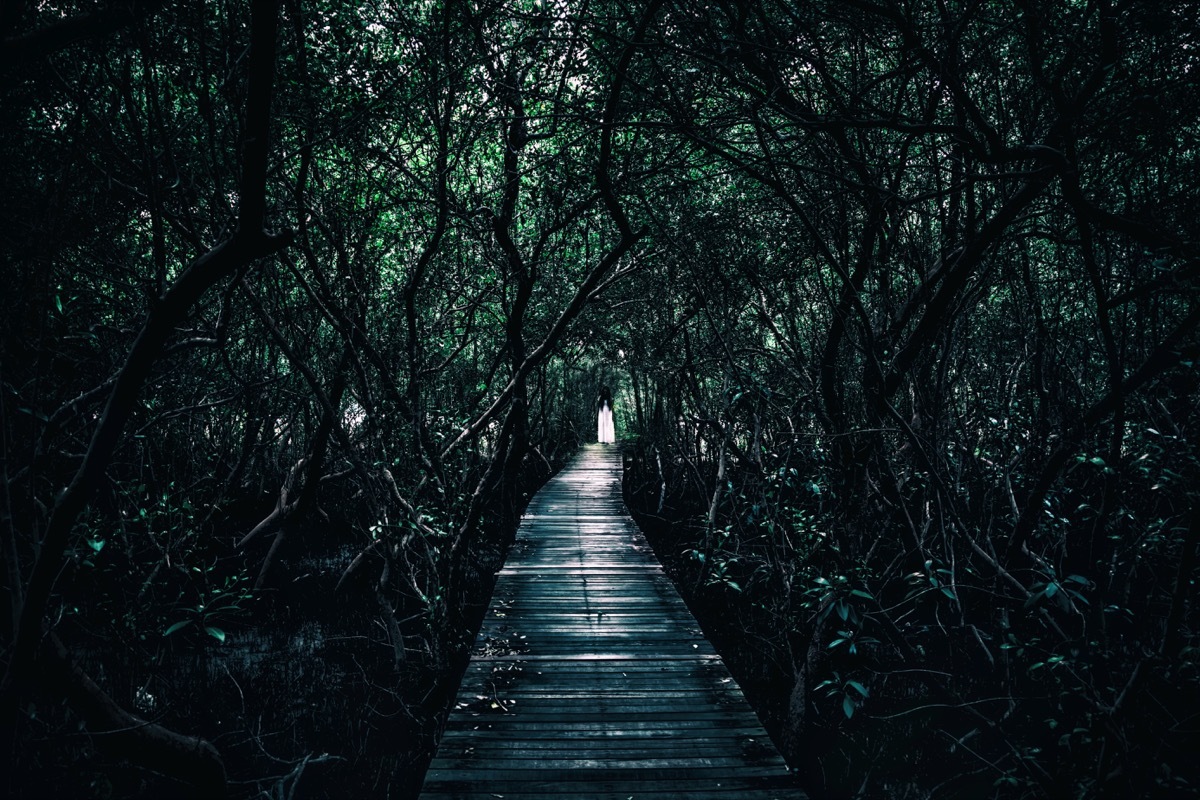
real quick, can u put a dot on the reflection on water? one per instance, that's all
(258, 648)
(303, 687)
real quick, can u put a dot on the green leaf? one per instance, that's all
(58, 303)
(216, 633)
(96, 544)
(847, 706)
(177, 626)
(861, 593)
(858, 687)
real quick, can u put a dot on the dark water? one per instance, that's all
(303, 700)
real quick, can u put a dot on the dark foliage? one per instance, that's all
(897, 299)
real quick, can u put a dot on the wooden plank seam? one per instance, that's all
(590, 678)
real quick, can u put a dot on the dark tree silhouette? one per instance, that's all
(303, 301)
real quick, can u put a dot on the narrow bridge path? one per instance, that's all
(590, 678)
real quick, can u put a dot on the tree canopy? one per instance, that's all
(898, 301)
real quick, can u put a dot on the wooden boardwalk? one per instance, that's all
(590, 678)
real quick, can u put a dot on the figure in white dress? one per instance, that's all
(605, 433)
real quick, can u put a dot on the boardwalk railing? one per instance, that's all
(590, 678)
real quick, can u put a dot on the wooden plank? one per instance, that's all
(717, 794)
(590, 678)
(615, 746)
(572, 784)
(602, 734)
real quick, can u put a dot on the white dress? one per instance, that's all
(604, 425)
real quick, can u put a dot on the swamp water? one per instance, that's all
(302, 699)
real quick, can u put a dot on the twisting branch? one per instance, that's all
(248, 243)
(1166, 356)
(629, 238)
